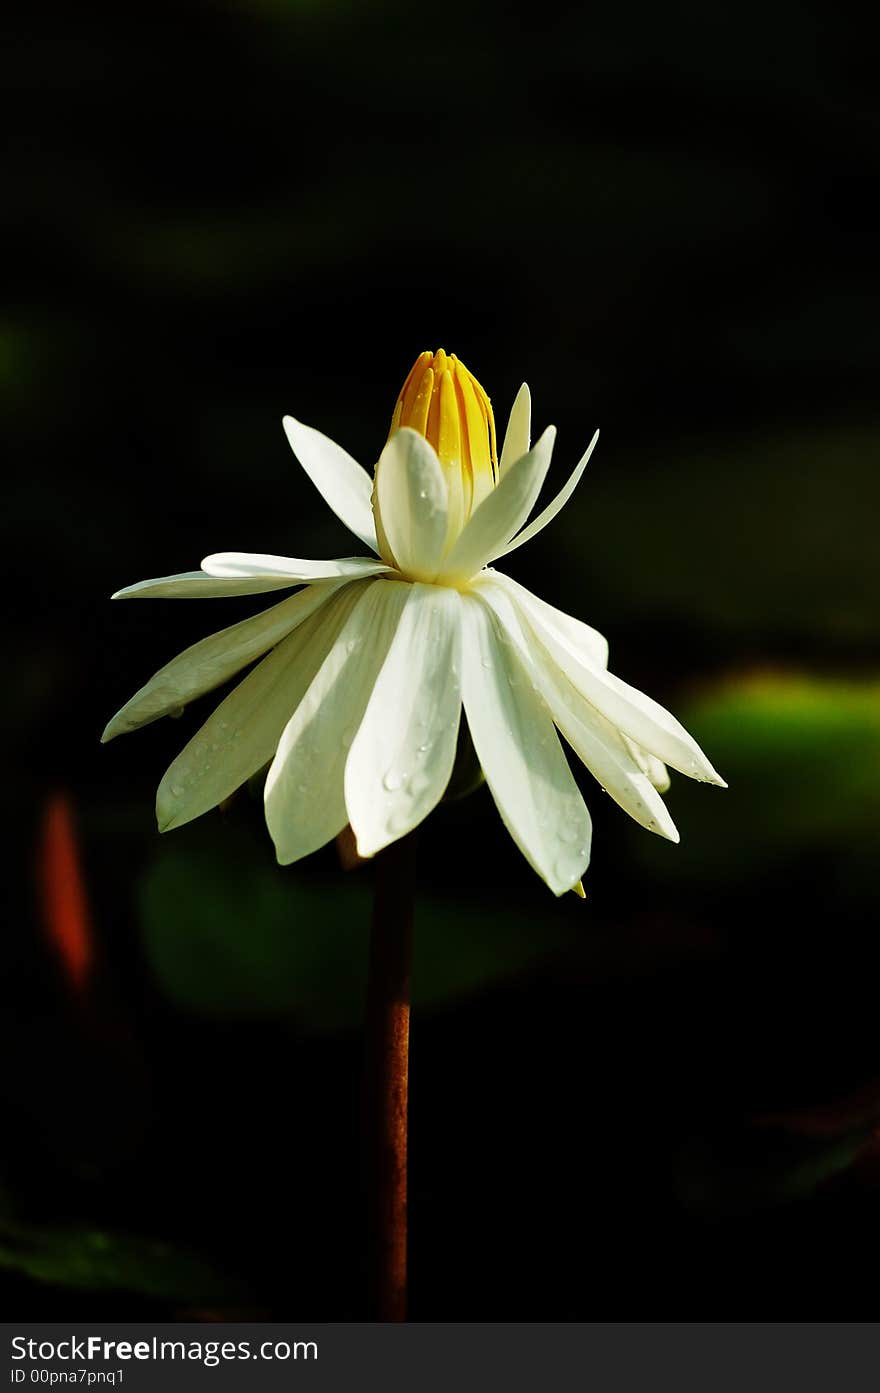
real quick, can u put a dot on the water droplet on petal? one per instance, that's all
(570, 865)
(393, 780)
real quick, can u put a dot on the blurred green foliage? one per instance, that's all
(239, 936)
(93, 1259)
(801, 755)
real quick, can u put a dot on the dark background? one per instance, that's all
(660, 1103)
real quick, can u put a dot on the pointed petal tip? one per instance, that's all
(367, 850)
(166, 816)
(709, 775)
(579, 890)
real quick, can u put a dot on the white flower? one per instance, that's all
(364, 672)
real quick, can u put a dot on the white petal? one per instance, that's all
(340, 480)
(604, 751)
(305, 801)
(216, 658)
(501, 514)
(652, 767)
(584, 639)
(243, 733)
(540, 522)
(254, 564)
(517, 437)
(412, 500)
(631, 711)
(403, 754)
(520, 753)
(196, 585)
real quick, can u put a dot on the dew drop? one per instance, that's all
(569, 865)
(393, 780)
(176, 713)
(570, 833)
(176, 790)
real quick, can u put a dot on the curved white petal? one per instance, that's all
(412, 499)
(517, 437)
(305, 802)
(243, 733)
(250, 564)
(214, 659)
(606, 753)
(520, 753)
(402, 757)
(501, 514)
(584, 639)
(341, 481)
(652, 767)
(540, 522)
(197, 585)
(632, 712)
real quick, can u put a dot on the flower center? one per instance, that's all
(446, 404)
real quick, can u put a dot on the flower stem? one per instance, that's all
(386, 1075)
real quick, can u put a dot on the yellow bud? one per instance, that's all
(446, 404)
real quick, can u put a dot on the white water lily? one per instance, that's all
(365, 671)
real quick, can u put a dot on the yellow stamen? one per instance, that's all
(445, 403)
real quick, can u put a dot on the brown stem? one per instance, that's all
(386, 1075)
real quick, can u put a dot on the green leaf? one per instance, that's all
(93, 1259)
(801, 755)
(227, 932)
